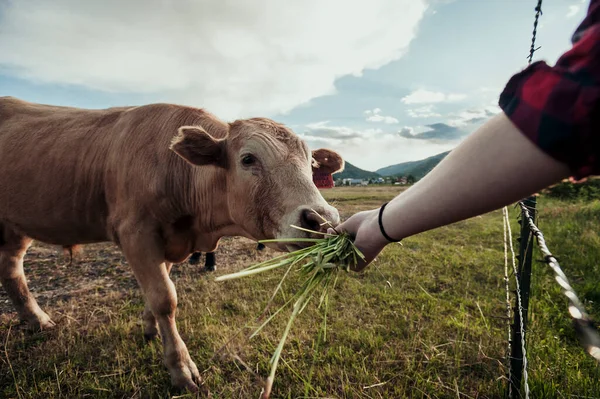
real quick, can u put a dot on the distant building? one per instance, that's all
(352, 182)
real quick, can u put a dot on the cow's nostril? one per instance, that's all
(310, 220)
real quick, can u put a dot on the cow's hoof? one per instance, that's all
(40, 322)
(193, 260)
(150, 329)
(188, 377)
(211, 268)
(150, 336)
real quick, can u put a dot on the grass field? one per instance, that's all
(429, 321)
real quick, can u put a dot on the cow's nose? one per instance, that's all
(310, 220)
(319, 219)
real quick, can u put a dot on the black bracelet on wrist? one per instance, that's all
(390, 239)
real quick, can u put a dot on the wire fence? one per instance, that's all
(517, 330)
(584, 327)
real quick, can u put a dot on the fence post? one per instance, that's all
(524, 277)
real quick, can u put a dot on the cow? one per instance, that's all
(325, 163)
(210, 261)
(161, 181)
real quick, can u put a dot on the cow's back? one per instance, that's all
(66, 172)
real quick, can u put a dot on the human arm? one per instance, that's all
(493, 167)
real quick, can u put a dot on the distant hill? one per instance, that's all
(416, 168)
(353, 172)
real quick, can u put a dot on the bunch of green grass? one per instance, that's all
(319, 265)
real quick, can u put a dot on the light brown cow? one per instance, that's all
(160, 180)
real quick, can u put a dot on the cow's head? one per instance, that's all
(268, 176)
(327, 161)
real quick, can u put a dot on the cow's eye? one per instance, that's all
(248, 160)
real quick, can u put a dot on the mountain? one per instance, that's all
(353, 172)
(416, 168)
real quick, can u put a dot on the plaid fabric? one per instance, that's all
(558, 107)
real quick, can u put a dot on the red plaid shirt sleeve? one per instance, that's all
(558, 107)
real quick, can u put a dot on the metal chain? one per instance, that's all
(538, 12)
(519, 304)
(588, 335)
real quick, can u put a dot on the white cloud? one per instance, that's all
(233, 58)
(425, 111)
(422, 96)
(375, 116)
(372, 111)
(455, 97)
(381, 118)
(407, 131)
(472, 116)
(573, 10)
(322, 131)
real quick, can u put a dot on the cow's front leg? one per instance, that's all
(152, 273)
(150, 324)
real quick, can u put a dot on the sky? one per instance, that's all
(379, 81)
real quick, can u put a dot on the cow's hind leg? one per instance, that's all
(195, 258)
(12, 276)
(144, 254)
(210, 262)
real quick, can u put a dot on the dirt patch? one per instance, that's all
(102, 268)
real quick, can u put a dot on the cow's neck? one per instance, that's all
(213, 218)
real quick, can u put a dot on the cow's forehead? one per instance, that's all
(273, 137)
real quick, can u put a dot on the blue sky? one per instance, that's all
(382, 82)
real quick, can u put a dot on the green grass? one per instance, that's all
(437, 330)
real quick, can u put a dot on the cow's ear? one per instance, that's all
(327, 161)
(198, 147)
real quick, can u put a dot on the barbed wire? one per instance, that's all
(519, 302)
(586, 331)
(538, 12)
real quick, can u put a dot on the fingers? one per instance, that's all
(350, 225)
(358, 227)
(341, 228)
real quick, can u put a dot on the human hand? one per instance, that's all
(363, 228)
